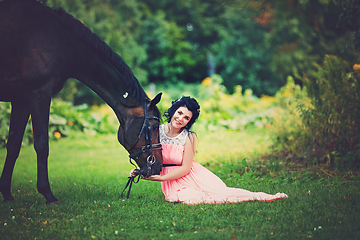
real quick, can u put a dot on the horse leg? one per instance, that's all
(40, 108)
(18, 120)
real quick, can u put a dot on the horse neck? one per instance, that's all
(105, 80)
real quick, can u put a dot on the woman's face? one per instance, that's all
(181, 117)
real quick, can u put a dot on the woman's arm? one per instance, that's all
(189, 153)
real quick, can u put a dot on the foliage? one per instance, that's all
(333, 119)
(319, 123)
(4, 122)
(302, 32)
(255, 44)
(64, 120)
(240, 57)
(69, 91)
(170, 42)
(288, 130)
(235, 111)
(200, 21)
(219, 108)
(169, 54)
(5, 113)
(350, 10)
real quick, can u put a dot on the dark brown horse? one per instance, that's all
(40, 48)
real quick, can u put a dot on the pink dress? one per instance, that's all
(200, 185)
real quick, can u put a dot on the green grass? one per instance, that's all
(88, 173)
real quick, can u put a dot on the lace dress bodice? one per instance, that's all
(179, 140)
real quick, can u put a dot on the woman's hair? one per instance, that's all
(189, 103)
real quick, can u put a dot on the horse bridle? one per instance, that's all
(147, 147)
(148, 141)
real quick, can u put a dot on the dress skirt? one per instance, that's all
(200, 185)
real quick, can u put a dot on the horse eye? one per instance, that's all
(155, 127)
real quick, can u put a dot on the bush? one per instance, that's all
(288, 130)
(64, 119)
(333, 120)
(235, 111)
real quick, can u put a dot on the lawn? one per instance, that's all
(88, 173)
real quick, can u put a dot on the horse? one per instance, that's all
(40, 48)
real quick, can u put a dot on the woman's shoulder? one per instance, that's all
(191, 135)
(191, 141)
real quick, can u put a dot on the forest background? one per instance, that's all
(285, 65)
(255, 44)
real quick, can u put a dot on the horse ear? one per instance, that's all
(155, 101)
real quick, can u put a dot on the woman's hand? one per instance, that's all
(134, 172)
(155, 178)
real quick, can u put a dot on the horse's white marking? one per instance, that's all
(126, 94)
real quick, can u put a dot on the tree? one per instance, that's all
(224, 36)
(241, 57)
(302, 32)
(169, 54)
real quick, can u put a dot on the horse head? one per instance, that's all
(143, 145)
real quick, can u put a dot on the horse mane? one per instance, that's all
(93, 40)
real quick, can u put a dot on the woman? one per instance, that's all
(183, 179)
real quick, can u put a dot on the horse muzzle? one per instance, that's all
(153, 167)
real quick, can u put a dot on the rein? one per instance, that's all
(132, 179)
(147, 147)
(129, 184)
